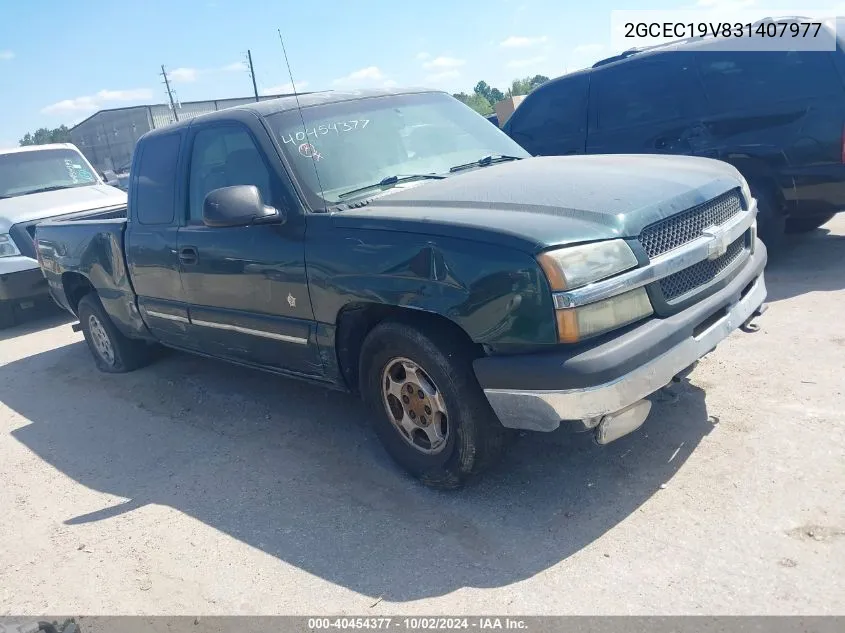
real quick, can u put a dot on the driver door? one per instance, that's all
(246, 286)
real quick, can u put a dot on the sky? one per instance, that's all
(89, 56)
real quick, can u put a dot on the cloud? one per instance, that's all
(284, 88)
(368, 74)
(588, 49)
(444, 62)
(516, 41)
(6, 55)
(725, 4)
(522, 63)
(446, 74)
(390, 83)
(97, 101)
(183, 75)
(423, 56)
(235, 67)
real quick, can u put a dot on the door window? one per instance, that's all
(224, 156)
(635, 93)
(741, 78)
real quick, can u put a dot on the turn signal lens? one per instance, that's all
(576, 324)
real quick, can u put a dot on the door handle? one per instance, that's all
(188, 255)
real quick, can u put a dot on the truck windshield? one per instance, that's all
(23, 173)
(351, 145)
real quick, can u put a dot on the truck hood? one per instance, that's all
(549, 201)
(40, 206)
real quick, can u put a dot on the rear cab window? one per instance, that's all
(155, 179)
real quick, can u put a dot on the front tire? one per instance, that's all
(807, 224)
(113, 352)
(771, 221)
(428, 409)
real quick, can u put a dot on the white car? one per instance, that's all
(42, 182)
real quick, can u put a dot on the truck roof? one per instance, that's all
(304, 100)
(36, 148)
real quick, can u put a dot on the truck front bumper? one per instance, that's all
(538, 391)
(21, 279)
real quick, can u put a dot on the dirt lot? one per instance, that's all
(195, 487)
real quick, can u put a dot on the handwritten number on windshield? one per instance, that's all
(339, 127)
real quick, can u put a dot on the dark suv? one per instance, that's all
(777, 116)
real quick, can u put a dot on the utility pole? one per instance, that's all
(169, 92)
(252, 73)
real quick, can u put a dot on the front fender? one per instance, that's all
(498, 296)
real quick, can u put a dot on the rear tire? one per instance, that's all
(459, 439)
(807, 224)
(113, 352)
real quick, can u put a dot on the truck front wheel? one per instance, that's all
(428, 409)
(113, 352)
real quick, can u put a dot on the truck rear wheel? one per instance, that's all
(428, 410)
(113, 352)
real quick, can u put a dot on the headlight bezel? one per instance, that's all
(561, 265)
(572, 267)
(7, 241)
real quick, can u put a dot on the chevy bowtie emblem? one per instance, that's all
(718, 244)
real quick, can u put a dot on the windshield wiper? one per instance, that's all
(51, 188)
(390, 181)
(483, 162)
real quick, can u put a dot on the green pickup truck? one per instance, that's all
(395, 244)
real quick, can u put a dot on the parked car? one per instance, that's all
(39, 182)
(777, 116)
(461, 287)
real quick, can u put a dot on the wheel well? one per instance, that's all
(357, 320)
(759, 177)
(76, 286)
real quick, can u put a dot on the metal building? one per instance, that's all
(108, 137)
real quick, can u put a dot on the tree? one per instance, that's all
(492, 95)
(525, 85)
(475, 101)
(42, 136)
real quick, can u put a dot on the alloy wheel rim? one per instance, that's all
(101, 340)
(415, 406)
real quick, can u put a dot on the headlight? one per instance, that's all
(576, 324)
(575, 266)
(8, 248)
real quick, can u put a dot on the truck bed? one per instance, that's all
(85, 246)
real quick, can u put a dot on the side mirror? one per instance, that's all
(240, 205)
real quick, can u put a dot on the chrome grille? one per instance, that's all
(701, 273)
(665, 235)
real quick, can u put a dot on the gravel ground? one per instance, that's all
(192, 486)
